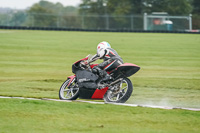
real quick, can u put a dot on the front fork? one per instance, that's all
(72, 79)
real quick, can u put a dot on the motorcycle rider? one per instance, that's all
(111, 60)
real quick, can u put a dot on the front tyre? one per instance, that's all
(120, 92)
(69, 92)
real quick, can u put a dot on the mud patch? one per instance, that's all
(41, 89)
(50, 80)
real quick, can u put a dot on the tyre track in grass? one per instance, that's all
(93, 102)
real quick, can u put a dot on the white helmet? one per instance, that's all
(101, 48)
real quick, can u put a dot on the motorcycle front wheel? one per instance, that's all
(120, 92)
(69, 92)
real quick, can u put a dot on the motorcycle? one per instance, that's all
(87, 85)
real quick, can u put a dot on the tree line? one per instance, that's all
(103, 7)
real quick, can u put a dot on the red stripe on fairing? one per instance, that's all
(109, 65)
(93, 65)
(128, 64)
(99, 94)
(86, 58)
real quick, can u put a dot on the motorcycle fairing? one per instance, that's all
(75, 67)
(99, 94)
(86, 93)
(86, 79)
(86, 58)
(126, 70)
(93, 65)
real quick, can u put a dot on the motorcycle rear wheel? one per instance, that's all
(121, 93)
(69, 93)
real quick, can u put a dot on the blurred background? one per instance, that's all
(167, 15)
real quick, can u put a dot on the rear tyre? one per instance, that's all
(69, 92)
(120, 92)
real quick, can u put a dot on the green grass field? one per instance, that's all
(35, 63)
(26, 116)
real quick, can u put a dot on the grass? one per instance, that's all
(48, 116)
(36, 63)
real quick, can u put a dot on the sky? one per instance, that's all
(23, 4)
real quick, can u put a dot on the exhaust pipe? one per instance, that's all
(116, 81)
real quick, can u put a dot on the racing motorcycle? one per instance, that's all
(87, 85)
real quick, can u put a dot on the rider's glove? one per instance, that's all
(84, 63)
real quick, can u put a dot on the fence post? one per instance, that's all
(190, 22)
(83, 21)
(32, 20)
(7, 20)
(132, 22)
(145, 21)
(58, 21)
(107, 21)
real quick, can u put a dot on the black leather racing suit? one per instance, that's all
(111, 61)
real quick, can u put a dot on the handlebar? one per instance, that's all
(85, 65)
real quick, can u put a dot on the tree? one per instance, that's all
(127, 7)
(172, 7)
(116, 7)
(196, 6)
(93, 7)
(196, 14)
(42, 16)
(18, 18)
(122, 8)
(48, 14)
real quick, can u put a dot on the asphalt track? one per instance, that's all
(121, 104)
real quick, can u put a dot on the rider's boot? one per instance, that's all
(102, 73)
(107, 77)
